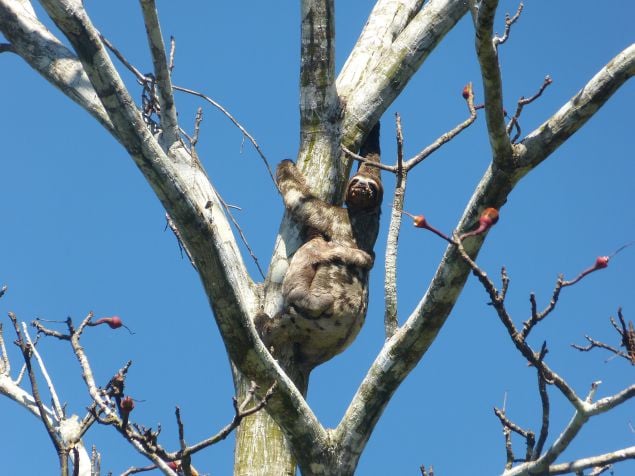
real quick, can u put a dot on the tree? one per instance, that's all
(376, 73)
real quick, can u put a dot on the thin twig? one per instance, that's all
(600, 345)
(536, 316)
(138, 74)
(448, 136)
(370, 163)
(511, 425)
(5, 363)
(143, 79)
(627, 335)
(26, 350)
(57, 407)
(135, 470)
(37, 323)
(172, 51)
(425, 153)
(170, 224)
(429, 472)
(234, 121)
(522, 102)
(240, 411)
(515, 335)
(545, 405)
(242, 235)
(508, 25)
(197, 126)
(187, 460)
(504, 283)
(95, 462)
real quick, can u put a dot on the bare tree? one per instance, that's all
(337, 113)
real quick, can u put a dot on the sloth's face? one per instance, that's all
(363, 193)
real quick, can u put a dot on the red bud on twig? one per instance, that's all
(420, 222)
(113, 322)
(488, 219)
(125, 407)
(467, 91)
(601, 262)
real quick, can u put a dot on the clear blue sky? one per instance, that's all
(83, 231)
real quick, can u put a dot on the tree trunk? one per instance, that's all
(261, 447)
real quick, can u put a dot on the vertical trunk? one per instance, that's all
(261, 448)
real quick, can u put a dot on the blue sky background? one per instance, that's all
(83, 231)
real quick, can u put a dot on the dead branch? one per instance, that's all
(241, 411)
(468, 95)
(429, 472)
(508, 427)
(522, 102)
(499, 40)
(26, 348)
(627, 340)
(390, 276)
(242, 235)
(164, 92)
(537, 461)
(235, 122)
(545, 407)
(536, 316)
(406, 166)
(148, 83)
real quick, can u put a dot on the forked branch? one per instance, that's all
(537, 461)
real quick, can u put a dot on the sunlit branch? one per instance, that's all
(390, 281)
(169, 120)
(540, 143)
(492, 83)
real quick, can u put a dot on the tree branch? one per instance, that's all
(169, 121)
(393, 69)
(540, 143)
(391, 323)
(186, 193)
(492, 83)
(320, 109)
(448, 136)
(27, 351)
(385, 22)
(593, 461)
(34, 43)
(403, 351)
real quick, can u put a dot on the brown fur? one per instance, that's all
(325, 289)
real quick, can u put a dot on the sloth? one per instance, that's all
(325, 289)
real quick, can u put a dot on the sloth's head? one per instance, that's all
(364, 192)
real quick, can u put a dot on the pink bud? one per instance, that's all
(113, 322)
(127, 404)
(467, 91)
(419, 221)
(488, 218)
(601, 262)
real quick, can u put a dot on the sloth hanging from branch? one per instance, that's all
(325, 289)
